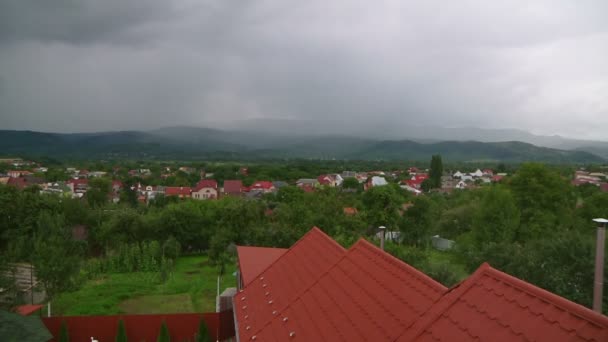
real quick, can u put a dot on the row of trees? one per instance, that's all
(535, 226)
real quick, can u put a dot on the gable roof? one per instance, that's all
(368, 295)
(261, 185)
(253, 260)
(178, 191)
(205, 183)
(278, 284)
(233, 186)
(493, 306)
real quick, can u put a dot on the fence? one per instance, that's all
(441, 243)
(182, 327)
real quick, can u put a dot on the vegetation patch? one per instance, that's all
(189, 288)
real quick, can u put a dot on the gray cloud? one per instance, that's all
(353, 65)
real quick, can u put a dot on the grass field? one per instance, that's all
(191, 288)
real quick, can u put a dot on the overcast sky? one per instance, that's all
(94, 65)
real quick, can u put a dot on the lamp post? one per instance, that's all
(382, 231)
(598, 283)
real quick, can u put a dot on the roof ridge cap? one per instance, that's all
(424, 277)
(299, 295)
(443, 303)
(313, 230)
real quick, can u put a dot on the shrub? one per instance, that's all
(163, 335)
(203, 332)
(121, 334)
(63, 333)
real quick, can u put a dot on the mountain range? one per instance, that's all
(207, 143)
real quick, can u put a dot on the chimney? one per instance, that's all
(598, 284)
(382, 231)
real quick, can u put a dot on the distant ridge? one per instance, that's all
(205, 143)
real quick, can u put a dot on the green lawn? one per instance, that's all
(191, 288)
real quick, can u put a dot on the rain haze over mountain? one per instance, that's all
(373, 69)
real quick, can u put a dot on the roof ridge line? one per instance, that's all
(436, 310)
(299, 295)
(422, 276)
(314, 229)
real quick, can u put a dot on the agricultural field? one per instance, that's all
(191, 287)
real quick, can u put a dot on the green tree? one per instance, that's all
(203, 332)
(427, 185)
(436, 171)
(163, 335)
(121, 333)
(351, 183)
(128, 194)
(419, 221)
(56, 256)
(97, 193)
(497, 219)
(545, 200)
(63, 332)
(381, 205)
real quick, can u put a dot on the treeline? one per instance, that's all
(534, 225)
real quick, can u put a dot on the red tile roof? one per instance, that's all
(368, 295)
(349, 211)
(205, 183)
(178, 191)
(324, 179)
(26, 310)
(233, 187)
(77, 181)
(283, 280)
(19, 183)
(261, 185)
(604, 187)
(253, 260)
(497, 178)
(416, 181)
(493, 306)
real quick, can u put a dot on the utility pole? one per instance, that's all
(598, 283)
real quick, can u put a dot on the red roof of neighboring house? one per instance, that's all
(497, 178)
(253, 260)
(493, 306)
(324, 179)
(26, 310)
(77, 181)
(307, 188)
(178, 191)
(19, 182)
(281, 282)
(261, 185)
(233, 186)
(350, 211)
(368, 295)
(205, 183)
(604, 187)
(415, 181)
(117, 183)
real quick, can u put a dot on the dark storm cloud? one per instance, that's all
(351, 65)
(77, 21)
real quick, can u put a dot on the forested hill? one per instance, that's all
(191, 143)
